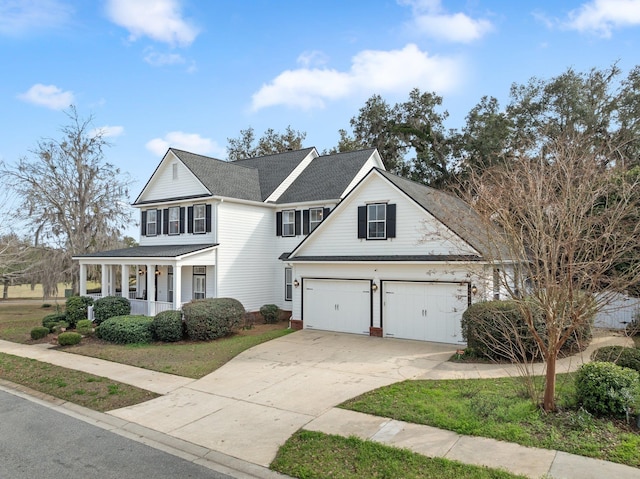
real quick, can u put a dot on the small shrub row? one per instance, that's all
(167, 326)
(126, 329)
(212, 318)
(606, 389)
(50, 321)
(109, 307)
(84, 327)
(39, 332)
(69, 338)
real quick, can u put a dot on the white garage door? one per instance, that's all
(424, 311)
(337, 305)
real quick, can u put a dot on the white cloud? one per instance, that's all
(603, 16)
(49, 96)
(160, 59)
(314, 57)
(26, 16)
(430, 19)
(372, 71)
(160, 20)
(108, 131)
(185, 141)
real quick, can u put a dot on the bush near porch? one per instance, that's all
(109, 307)
(212, 318)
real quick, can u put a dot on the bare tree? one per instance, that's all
(268, 144)
(71, 199)
(570, 218)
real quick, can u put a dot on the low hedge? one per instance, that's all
(212, 318)
(270, 313)
(76, 309)
(50, 321)
(84, 326)
(620, 355)
(126, 329)
(39, 332)
(69, 338)
(167, 326)
(607, 389)
(109, 307)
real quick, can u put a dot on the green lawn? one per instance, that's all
(17, 319)
(308, 455)
(497, 408)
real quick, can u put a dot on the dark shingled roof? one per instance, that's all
(223, 178)
(326, 177)
(378, 258)
(274, 169)
(159, 251)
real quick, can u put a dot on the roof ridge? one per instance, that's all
(210, 158)
(274, 154)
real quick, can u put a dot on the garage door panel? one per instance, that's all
(337, 305)
(424, 311)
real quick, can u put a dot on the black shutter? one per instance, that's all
(362, 221)
(298, 229)
(190, 219)
(305, 222)
(325, 212)
(143, 224)
(279, 223)
(208, 220)
(181, 220)
(165, 222)
(391, 221)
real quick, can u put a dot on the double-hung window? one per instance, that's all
(174, 220)
(288, 284)
(152, 222)
(199, 219)
(376, 221)
(289, 223)
(315, 218)
(199, 282)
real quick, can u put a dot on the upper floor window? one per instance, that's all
(316, 216)
(174, 220)
(376, 221)
(152, 222)
(289, 223)
(199, 219)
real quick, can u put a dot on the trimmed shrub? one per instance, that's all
(167, 326)
(620, 355)
(492, 327)
(60, 327)
(39, 332)
(69, 338)
(270, 313)
(212, 318)
(607, 389)
(84, 326)
(126, 329)
(76, 309)
(109, 307)
(52, 320)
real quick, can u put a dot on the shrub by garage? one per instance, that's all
(270, 313)
(126, 329)
(76, 309)
(212, 318)
(607, 389)
(168, 326)
(109, 307)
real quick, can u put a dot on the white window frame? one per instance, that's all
(316, 215)
(199, 282)
(174, 220)
(375, 220)
(154, 223)
(289, 223)
(199, 219)
(288, 284)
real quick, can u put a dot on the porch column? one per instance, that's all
(83, 280)
(104, 283)
(124, 279)
(177, 287)
(151, 289)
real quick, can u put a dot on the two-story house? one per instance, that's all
(342, 243)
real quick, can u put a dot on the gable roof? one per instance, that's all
(156, 251)
(326, 177)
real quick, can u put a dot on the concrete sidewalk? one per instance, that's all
(250, 406)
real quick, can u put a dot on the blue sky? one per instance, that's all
(190, 74)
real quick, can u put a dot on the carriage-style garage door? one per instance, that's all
(337, 305)
(424, 311)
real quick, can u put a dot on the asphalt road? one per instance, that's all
(38, 442)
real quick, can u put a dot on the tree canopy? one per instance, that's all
(271, 142)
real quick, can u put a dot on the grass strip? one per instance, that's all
(310, 454)
(93, 392)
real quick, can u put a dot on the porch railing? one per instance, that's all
(149, 308)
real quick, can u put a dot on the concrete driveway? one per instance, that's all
(249, 407)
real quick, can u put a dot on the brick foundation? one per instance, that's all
(377, 332)
(296, 324)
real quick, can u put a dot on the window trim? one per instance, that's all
(292, 223)
(204, 279)
(314, 224)
(288, 284)
(202, 219)
(153, 213)
(174, 222)
(377, 221)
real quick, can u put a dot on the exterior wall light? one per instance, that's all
(140, 272)
(474, 290)
(296, 283)
(158, 272)
(374, 287)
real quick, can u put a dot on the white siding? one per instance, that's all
(417, 232)
(162, 184)
(183, 238)
(246, 257)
